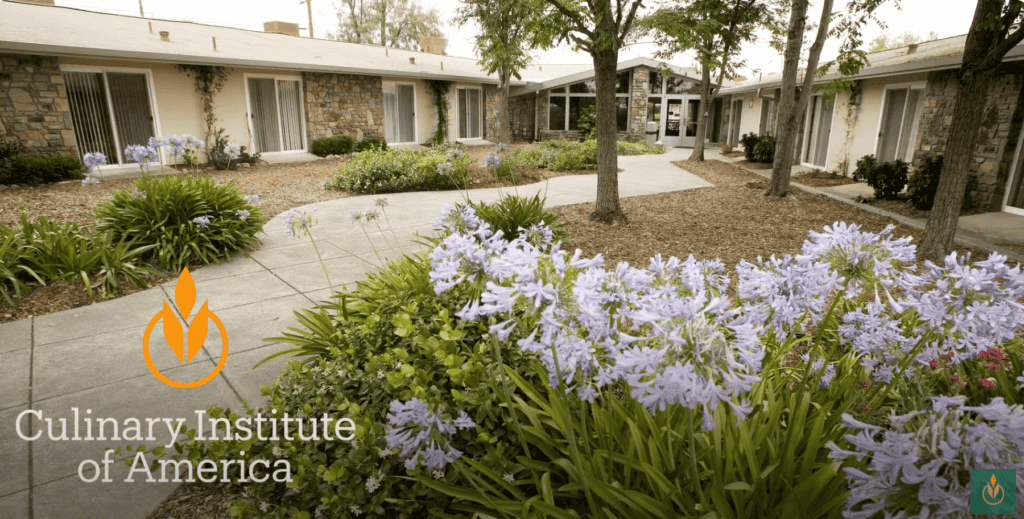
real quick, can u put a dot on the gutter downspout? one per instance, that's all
(536, 114)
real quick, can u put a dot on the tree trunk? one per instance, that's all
(792, 106)
(986, 45)
(702, 119)
(504, 118)
(608, 209)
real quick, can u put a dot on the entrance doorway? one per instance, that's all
(679, 123)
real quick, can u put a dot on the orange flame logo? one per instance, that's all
(185, 347)
(993, 489)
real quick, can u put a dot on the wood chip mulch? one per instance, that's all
(903, 207)
(731, 221)
(819, 178)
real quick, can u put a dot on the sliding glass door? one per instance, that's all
(470, 113)
(900, 117)
(109, 111)
(818, 128)
(399, 113)
(275, 111)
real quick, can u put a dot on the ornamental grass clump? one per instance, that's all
(188, 219)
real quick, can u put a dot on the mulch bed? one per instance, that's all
(903, 207)
(819, 178)
(754, 165)
(731, 221)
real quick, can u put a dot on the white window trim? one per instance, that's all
(567, 95)
(458, 115)
(415, 119)
(807, 143)
(153, 106)
(277, 100)
(1009, 181)
(915, 85)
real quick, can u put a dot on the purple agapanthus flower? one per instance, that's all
(89, 181)
(201, 221)
(252, 199)
(141, 154)
(93, 160)
(242, 214)
(422, 436)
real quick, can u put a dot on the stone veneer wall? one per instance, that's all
(343, 103)
(991, 166)
(636, 127)
(522, 111)
(491, 119)
(34, 105)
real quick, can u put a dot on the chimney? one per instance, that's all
(291, 29)
(50, 3)
(434, 45)
(912, 48)
(165, 36)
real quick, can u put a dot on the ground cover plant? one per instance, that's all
(391, 171)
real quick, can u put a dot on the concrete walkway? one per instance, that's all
(90, 359)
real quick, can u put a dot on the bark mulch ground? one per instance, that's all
(754, 165)
(731, 221)
(819, 178)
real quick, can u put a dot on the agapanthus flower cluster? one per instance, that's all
(138, 195)
(89, 181)
(297, 222)
(454, 154)
(202, 221)
(94, 160)
(969, 307)
(667, 331)
(141, 154)
(492, 160)
(251, 199)
(422, 436)
(923, 458)
(444, 169)
(233, 150)
(242, 214)
(863, 259)
(785, 291)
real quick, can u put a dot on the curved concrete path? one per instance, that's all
(90, 358)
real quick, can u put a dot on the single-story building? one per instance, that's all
(75, 82)
(901, 107)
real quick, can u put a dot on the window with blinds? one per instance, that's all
(900, 118)
(109, 111)
(470, 113)
(275, 111)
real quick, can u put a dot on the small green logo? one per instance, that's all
(993, 491)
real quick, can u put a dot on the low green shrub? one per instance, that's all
(529, 157)
(34, 170)
(512, 213)
(749, 142)
(187, 219)
(764, 150)
(370, 143)
(334, 145)
(887, 179)
(638, 148)
(44, 250)
(395, 171)
(580, 155)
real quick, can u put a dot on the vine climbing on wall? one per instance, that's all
(439, 91)
(209, 80)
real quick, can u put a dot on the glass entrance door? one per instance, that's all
(673, 133)
(691, 116)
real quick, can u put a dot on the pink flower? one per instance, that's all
(987, 384)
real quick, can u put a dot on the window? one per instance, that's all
(655, 82)
(470, 113)
(109, 111)
(817, 131)
(399, 113)
(654, 109)
(767, 105)
(275, 110)
(900, 117)
(564, 108)
(681, 85)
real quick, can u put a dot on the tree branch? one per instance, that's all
(1012, 40)
(573, 17)
(629, 19)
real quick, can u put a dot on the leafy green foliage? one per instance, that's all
(438, 90)
(340, 144)
(34, 170)
(764, 150)
(638, 148)
(588, 123)
(396, 171)
(887, 179)
(392, 337)
(162, 213)
(44, 250)
(511, 213)
(371, 143)
(749, 142)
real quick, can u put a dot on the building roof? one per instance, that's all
(565, 74)
(64, 31)
(940, 54)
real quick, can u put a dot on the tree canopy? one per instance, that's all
(392, 23)
(886, 41)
